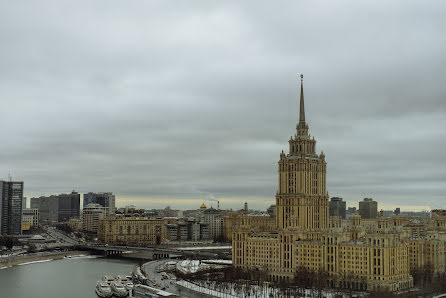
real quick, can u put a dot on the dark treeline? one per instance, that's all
(64, 227)
(8, 242)
(243, 281)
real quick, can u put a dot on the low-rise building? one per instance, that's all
(132, 231)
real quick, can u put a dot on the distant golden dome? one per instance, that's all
(203, 206)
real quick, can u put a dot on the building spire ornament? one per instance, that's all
(302, 106)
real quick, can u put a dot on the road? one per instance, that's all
(154, 277)
(58, 235)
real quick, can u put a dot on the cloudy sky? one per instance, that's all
(175, 103)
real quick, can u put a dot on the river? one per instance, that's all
(65, 278)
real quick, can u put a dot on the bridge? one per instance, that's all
(154, 253)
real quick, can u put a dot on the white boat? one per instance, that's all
(103, 289)
(129, 286)
(122, 279)
(108, 279)
(118, 289)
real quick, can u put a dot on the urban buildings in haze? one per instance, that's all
(57, 208)
(105, 199)
(337, 207)
(368, 208)
(11, 195)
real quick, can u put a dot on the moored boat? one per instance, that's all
(103, 289)
(118, 289)
(108, 279)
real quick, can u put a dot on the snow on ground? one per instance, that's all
(33, 262)
(231, 290)
(192, 266)
(204, 247)
(203, 290)
(227, 262)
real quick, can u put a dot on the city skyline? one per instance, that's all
(159, 127)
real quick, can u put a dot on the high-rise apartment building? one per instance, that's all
(214, 220)
(91, 215)
(105, 199)
(368, 208)
(337, 207)
(57, 208)
(11, 195)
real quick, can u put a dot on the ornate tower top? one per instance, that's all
(302, 106)
(302, 127)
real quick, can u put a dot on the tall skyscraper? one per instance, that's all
(302, 200)
(306, 238)
(11, 195)
(105, 199)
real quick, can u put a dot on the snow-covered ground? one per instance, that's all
(203, 290)
(226, 262)
(192, 266)
(33, 262)
(231, 290)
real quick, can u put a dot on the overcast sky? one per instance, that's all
(175, 103)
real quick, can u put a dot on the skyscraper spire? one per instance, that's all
(302, 107)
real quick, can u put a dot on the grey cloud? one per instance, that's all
(153, 100)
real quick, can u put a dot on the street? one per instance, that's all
(155, 278)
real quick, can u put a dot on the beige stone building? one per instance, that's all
(75, 223)
(236, 220)
(358, 254)
(132, 230)
(91, 215)
(30, 218)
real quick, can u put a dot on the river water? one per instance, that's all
(66, 278)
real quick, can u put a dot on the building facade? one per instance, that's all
(337, 207)
(132, 231)
(11, 195)
(91, 215)
(362, 254)
(105, 199)
(214, 220)
(368, 208)
(57, 208)
(30, 218)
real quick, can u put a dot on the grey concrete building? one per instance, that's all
(337, 207)
(11, 195)
(214, 220)
(57, 208)
(105, 199)
(368, 208)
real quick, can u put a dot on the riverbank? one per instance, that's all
(38, 257)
